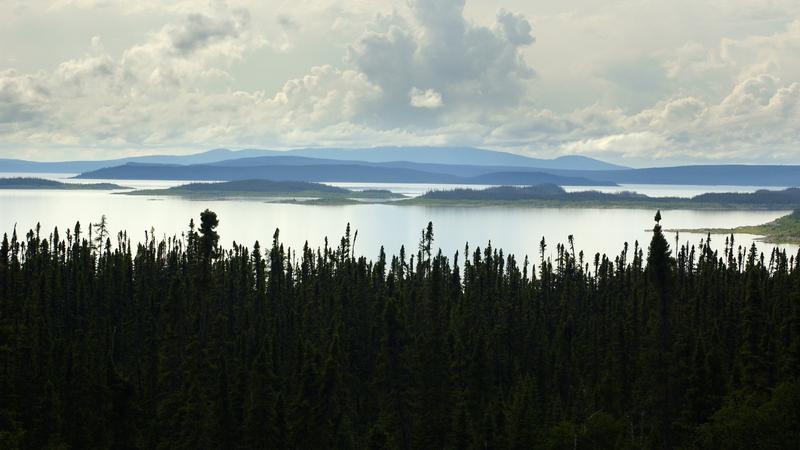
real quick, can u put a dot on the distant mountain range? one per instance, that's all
(425, 155)
(407, 165)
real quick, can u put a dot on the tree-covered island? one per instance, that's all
(41, 183)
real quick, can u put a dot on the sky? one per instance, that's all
(637, 82)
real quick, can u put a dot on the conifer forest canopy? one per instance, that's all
(183, 344)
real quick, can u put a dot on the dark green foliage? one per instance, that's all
(746, 422)
(208, 234)
(183, 344)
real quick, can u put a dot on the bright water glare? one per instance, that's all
(517, 230)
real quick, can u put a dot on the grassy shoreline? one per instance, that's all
(783, 230)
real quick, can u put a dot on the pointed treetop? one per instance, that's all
(658, 216)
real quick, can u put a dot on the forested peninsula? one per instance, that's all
(783, 230)
(181, 343)
(551, 195)
(40, 183)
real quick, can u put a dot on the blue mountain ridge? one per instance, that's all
(426, 155)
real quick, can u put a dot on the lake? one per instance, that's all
(517, 230)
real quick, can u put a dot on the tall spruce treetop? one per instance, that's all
(208, 235)
(659, 258)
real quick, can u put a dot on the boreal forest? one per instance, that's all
(184, 343)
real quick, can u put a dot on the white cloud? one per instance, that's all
(428, 98)
(324, 97)
(626, 144)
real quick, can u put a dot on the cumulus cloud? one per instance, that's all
(478, 69)
(197, 47)
(323, 97)
(750, 95)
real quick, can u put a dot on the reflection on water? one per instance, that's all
(517, 230)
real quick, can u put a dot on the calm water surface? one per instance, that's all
(415, 189)
(517, 230)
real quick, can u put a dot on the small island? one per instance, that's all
(551, 195)
(280, 191)
(41, 183)
(783, 230)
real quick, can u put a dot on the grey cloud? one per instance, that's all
(287, 22)
(515, 27)
(20, 99)
(478, 69)
(14, 112)
(441, 17)
(200, 30)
